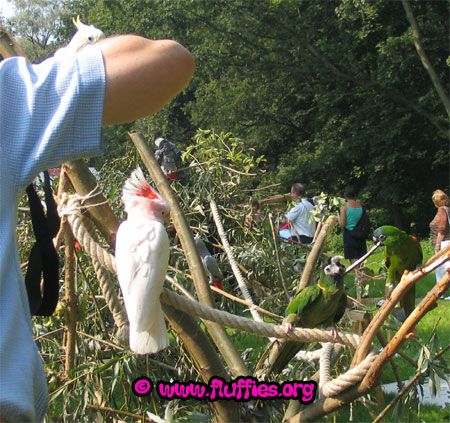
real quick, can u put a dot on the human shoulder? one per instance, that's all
(443, 212)
(307, 204)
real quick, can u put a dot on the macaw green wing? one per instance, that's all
(303, 299)
(402, 252)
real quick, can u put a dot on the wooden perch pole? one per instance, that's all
(408, 279)
(313, 256)
(205, 357)
(443, 95)
(277, 257)
(8, 46)
(218, 333)
(84, 183)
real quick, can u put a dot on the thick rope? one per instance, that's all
(118, 314)
(231, 259)
(348, 379)
(325, 360)
(103, 260)
(268, 330)
(72, 208)
(261, 328)
(83, 230)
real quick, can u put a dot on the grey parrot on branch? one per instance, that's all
(209, 263)
(168, 157)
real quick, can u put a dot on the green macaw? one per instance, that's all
(322, 304)
(402, 252)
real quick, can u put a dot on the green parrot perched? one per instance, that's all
(322, 304)
(402, 252)
(319, 305)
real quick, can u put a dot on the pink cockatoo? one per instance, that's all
(142, 256)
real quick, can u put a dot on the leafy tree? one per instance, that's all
(330, 92)
(36, 24)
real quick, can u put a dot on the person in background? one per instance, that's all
(301, 222)
(440, 228)
(349, 216)
(51, 113)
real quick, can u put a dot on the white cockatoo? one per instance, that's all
(86, 34)
(142, 256)
(209, 264)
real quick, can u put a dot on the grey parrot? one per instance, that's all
(209, 263)
(168, 157)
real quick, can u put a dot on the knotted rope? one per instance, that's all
(83, 230)
(103, 260)
(237, 273)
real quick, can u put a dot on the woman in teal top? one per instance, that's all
(348, 218)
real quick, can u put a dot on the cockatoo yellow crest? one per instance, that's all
(142, 256)
(86, 34)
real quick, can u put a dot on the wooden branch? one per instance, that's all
(405, 389)
(277, 256)
(138, 417)
(70, 299)
(84, 182)
(408, 279)
(313, 256)
(361, 259)
(8, 46)
(408, 325)
(443, 95)
(218, 333)
(205, 358)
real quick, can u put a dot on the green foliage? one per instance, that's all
(308, 85)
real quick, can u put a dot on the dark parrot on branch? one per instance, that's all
(209, 264)
(168, 157)
(402, 252)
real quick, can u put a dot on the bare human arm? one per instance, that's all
(142, 75)
(342, 216)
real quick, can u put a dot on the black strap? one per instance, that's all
(43, 257)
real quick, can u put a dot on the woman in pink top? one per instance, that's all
(440, 228)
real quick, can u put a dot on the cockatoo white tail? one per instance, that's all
(142, 256)
(86, 34)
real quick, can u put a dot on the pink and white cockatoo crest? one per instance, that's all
(86, 34)
(142, 256)
(210, 265)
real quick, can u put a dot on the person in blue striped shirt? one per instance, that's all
(50, 113)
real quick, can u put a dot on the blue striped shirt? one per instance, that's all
(49, 113)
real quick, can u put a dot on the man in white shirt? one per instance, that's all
(300, 218)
